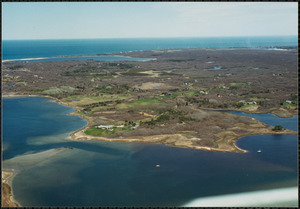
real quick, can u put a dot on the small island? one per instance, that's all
(174, 98)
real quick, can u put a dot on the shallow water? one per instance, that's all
(96, 173)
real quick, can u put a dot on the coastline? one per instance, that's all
(58, 57)
(281, 113)
(168, 139)
(9, 174)
(176, 140)
(7, 192)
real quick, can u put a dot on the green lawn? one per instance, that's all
(138, 102)
(87, 99)
(239, 84)
(125, 105)
(293, 104)
(191, 93)
(94, 131)
(56, 90)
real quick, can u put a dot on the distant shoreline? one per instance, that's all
(119, 54)
(73, 56)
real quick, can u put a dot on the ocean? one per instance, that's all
(21, 49)
(97, 173)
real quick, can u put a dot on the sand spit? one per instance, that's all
(58, 57)
(226, 143)
(16, 165)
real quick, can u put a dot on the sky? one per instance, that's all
(83, 20)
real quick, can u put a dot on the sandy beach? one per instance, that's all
(7, 195)
(24, 162)
(226, 143)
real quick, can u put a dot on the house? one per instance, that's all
(242, 101)
(201, 92)
(109, 127)
(251, 103)
(288, 101)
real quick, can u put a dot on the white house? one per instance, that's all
(109, 127)
(201, 92)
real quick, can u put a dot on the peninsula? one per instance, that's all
(169, 98)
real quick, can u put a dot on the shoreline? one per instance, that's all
(178, 140)
(274, 112)
(73, 56)
(7, 195)
(119, 54)
(167, 138)
(175, 140)
(159, 138)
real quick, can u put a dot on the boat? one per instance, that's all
(157, 166)
(259, 151)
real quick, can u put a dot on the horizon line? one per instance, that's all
(236, 36)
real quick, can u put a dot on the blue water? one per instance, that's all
(96, 173)
(25, 118)
(19, 49)
(270, 119)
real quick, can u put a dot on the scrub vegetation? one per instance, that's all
(169, 95)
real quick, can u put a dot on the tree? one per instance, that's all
(239, 104)
(278, 128)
